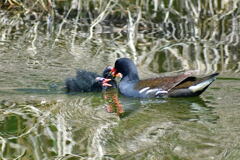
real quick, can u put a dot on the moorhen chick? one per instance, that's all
(183, 85)
(86, 81)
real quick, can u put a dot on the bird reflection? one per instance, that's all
(190, 109)
(113, 103)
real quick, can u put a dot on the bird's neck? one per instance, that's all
(131, 77)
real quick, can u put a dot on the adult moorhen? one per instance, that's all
(86, 81)
(183, 85)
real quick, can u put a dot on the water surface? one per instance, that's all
(38, 120)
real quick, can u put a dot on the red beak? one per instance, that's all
(115, 73)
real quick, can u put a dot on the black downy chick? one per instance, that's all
(86, 81)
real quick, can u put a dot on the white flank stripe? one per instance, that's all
(152, 90)
(144, 89)
(161, 92)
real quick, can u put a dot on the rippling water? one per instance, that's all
(39, 121)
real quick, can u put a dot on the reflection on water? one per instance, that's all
(39, 121)
(78, 126)
(113, 103)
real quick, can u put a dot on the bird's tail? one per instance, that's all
(202, 84)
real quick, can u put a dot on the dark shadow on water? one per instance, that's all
(38, 91)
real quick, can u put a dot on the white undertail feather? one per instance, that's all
(202, 85)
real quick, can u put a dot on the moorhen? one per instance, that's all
(86, 81)
(183, 85)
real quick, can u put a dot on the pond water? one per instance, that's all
(38, 120)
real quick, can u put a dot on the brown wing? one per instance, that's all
(190, 81)
(165, 83)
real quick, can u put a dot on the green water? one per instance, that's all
(48, 126)
(39, 121)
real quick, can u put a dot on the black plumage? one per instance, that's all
(183, 85)
(85, 81)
